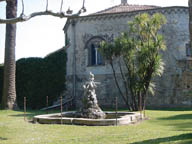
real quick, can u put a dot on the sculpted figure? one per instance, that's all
(90, 107)
(89, 98)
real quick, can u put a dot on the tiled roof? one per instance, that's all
(125, 8)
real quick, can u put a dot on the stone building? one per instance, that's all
(84, 34)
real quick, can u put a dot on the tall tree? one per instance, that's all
(138, 57)
(9, 91)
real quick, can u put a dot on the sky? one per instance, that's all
(42, 35)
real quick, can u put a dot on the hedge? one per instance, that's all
(37, 78)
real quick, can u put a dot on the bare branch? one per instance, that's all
(61, 8)
(22, 7)
(23, 18)
(47, 4)
(83, 9)
(83, 4)
(60, 14)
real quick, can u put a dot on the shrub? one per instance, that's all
(37, 78)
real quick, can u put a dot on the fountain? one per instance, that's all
(90, 113)
(90, 107)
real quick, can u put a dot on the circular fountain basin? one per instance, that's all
(112, 118)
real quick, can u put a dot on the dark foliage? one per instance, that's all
(37, 78)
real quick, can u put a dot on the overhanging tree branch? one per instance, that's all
(9, 91)
(61, 8)
(23, 8)
(23, 17)
(47, 4)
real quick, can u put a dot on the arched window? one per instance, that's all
(94, 56)
(188, 50)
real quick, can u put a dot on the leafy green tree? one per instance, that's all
(137, 53)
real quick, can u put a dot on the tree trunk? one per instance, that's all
(190, 22)
(9, 90)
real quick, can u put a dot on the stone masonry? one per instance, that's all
(173, 88)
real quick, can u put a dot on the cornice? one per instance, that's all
(107, 16)
(163, 10)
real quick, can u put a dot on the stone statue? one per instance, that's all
(90, 107)
(89, 97)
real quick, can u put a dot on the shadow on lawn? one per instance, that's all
(22, 115)
(170, 109)
(178, 117)
(183, 138)
(29, 114)
(180, 122)
(1, 139)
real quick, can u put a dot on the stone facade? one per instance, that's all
(173, 88)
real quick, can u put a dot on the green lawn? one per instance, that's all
(164, 127)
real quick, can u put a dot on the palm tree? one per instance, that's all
(9, 90)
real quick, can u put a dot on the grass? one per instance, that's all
(164, 127)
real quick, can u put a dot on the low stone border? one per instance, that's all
(124, 118)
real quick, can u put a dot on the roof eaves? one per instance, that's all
(158, 8)
(116, 13)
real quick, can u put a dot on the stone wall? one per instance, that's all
(168, 87)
